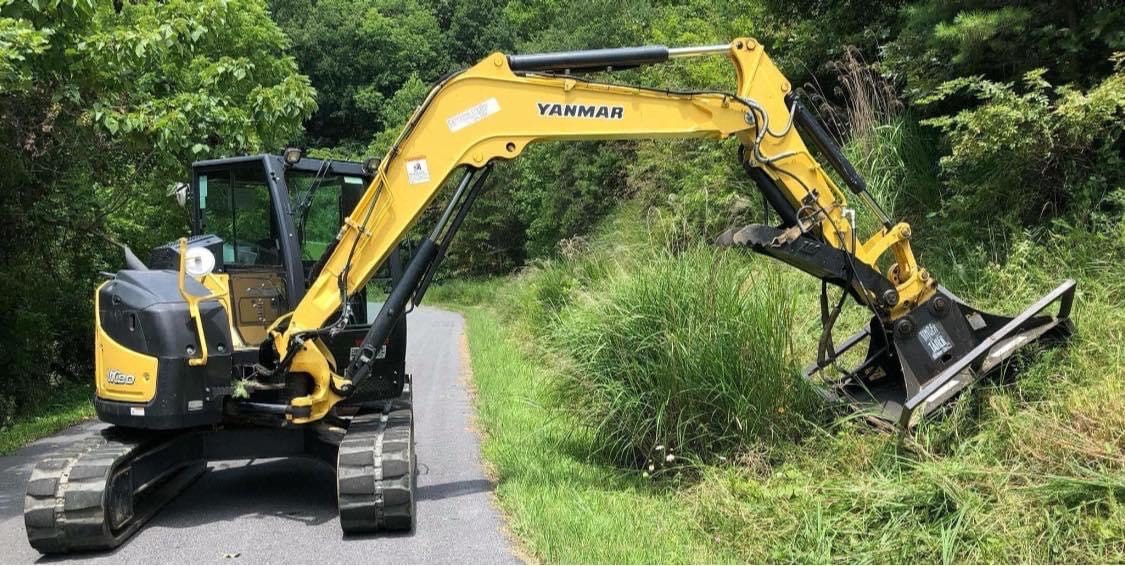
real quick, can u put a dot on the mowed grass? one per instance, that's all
(1030, 470)
(68, 404)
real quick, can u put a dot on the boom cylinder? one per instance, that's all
(426, 257)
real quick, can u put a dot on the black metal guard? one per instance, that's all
(1021, 330)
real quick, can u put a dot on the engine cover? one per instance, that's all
(144, 339)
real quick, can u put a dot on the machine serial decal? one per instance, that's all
(473, 115)
(117, 378)
(599, 111)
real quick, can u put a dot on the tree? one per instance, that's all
(359, 53)
(941, 40)
(103, 109)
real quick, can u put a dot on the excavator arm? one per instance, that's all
(495, 109)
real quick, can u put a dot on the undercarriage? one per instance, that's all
(96, 493)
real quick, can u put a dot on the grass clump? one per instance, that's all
(564, 506)
(687, 353)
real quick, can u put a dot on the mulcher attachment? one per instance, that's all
(98, 492)
(375, 470)
(916, 362)
(921, 361)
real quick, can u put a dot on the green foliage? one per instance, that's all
(475, 29)
(67, 405)
(1026, 471)
(372, 60)
(103, 109)
(1039, 154)
(563, 507)
(396, 111)
(896, 159)
(677, 351)
(359, 54)
(942, 40)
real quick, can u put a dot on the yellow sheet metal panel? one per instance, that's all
(120, 373)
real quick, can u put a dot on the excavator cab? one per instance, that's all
(259, 226)
(276, 216)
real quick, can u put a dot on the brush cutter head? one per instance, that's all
(915, 362)
(925, 358)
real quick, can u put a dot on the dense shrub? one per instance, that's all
(1037, 154)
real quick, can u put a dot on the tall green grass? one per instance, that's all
(646, 345)
(565, 506)
(683, 354)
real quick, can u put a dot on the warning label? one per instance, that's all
(417, 171)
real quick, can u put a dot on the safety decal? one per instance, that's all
(417, 171)
(473, 115)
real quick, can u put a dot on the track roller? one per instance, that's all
(97, 492)
(375, 471)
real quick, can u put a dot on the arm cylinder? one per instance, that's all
(820, 137)
(814, 130)
(589, 60)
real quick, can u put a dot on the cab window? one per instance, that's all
(235, 205)
(319, 205)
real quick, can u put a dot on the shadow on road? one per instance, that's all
(453, 489)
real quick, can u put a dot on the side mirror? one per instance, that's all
(371, 165)
(180, 192)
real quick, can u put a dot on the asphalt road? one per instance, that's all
(284, 511)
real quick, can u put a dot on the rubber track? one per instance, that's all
(65, 506)
(375, 470)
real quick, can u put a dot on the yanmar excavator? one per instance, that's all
(251, 338)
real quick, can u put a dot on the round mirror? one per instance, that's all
(199, 262)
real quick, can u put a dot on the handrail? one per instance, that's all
(193, 305)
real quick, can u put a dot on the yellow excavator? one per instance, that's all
(252, 338)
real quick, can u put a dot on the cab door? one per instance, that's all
(235, 203)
